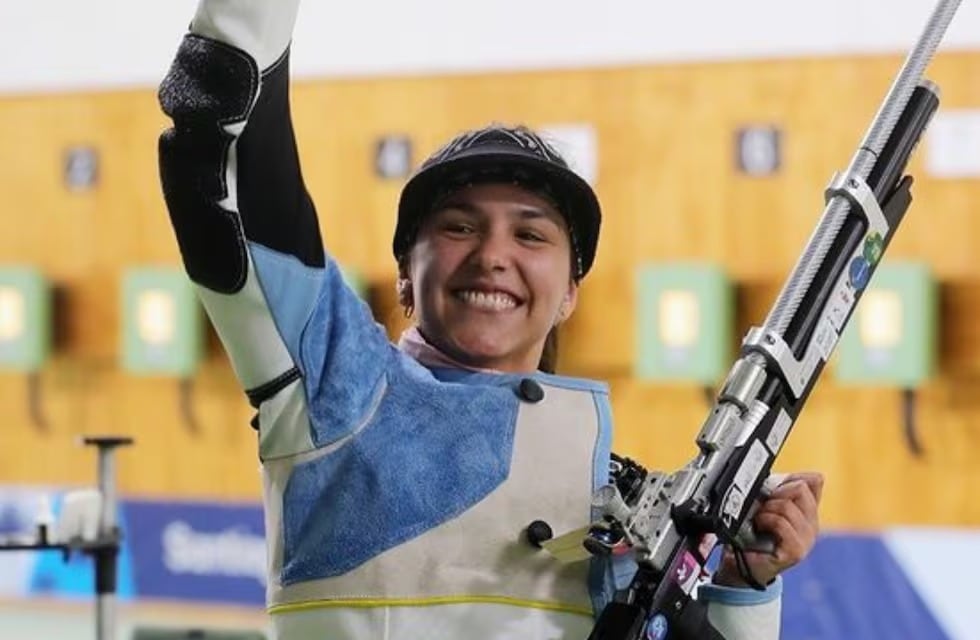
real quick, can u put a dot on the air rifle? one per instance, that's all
(669, 523)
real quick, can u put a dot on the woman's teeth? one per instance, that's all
(491, 301)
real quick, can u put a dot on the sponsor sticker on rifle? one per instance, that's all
(840, 304)
(780, 429)
(745, 477)
(825, 337)
(751, 467)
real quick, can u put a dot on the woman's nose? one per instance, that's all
(493, 252)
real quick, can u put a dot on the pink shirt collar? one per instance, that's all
(414, 344)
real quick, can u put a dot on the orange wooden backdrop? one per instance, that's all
(669, 191)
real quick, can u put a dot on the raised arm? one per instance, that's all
(248, 231)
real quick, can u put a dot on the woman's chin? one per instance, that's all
(480, 354)
(481, 358)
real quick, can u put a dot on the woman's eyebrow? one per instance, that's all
(536, 213)
(523, 212)
(459, 205)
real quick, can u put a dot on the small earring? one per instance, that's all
(409, 310)
(561, 314)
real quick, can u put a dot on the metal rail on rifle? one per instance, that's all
(670, 522)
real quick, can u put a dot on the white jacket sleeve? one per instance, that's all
(261, 28)
(744, 614)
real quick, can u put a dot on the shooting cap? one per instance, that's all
(502, 154)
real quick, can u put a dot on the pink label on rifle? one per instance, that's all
(688, 570)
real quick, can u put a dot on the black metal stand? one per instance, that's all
(104, 549)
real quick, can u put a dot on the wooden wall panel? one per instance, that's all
(669, 192)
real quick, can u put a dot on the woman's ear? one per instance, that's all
(403, 287)
(568, 303)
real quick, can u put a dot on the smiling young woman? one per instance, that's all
(490, 276)
(400, 480)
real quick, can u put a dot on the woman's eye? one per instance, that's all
(458, 227)
(533, 236)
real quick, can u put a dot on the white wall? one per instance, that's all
(71, 44)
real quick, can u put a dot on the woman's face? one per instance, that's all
(491, 275)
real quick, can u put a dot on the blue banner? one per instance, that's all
(198, 551)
